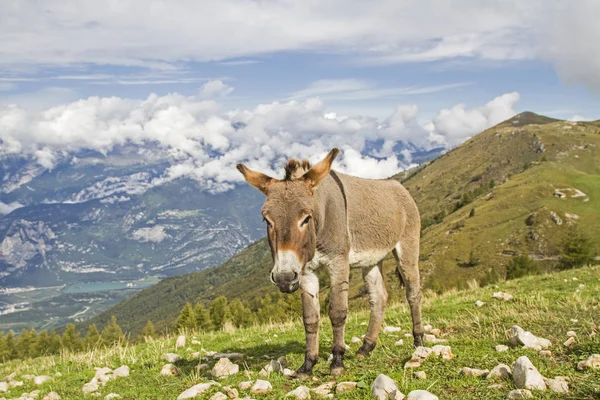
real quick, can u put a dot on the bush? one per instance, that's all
(521, 266)
(472, 213)
(577, 250)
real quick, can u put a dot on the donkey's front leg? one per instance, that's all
(338, 310)
(309, 286)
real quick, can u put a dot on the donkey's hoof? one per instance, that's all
(301, 376)
(336, 372)
(418, 339)
(365, 350)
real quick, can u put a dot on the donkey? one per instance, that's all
(317, 217)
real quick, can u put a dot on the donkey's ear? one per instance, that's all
(255, 178)
(315, 175)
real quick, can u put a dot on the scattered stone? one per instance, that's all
(408, 335)
(427, 328)
(40, 380)
(202, 367)
(288, 372)
(436, 332)
(526, 376)
(499, 371)
(58, 375)
(420, 375)
(518, 335)
(355, 340)
(196, 390)
(444, 351)
(224, 367)
(418, 357)
(122, 371)
(196, 342)
(345, 387)
(219, 396)
(14, 384)
(384, 388)
(428, 338)
(557, 385)
(570, 342)
(554, 216)
(593, 362)
(474, 371)
(399, 342)
(502, 296)
(261, 387)
(245, 385)
(324, 389)
(421, 395)
(479, 303)
(169, 370)
(501, 347)
(232, 393)
(172, 357)
(519, 394)
(90, 387)
(392, 329)
(3, 387)
(51, 396)
(180, 342)
(301, 393)
(573, 320)
(496, 386)
(111, 396)
(27, 377)
(231, 356)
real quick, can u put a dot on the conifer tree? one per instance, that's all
(3, 348)
(218, 312)
(92, 337)
(241, 316)
(42, 344)
(71, 339)
(577, 250)
(54, 342)
(186, 319)
(148, 332)
(203, 321)
(112, 332)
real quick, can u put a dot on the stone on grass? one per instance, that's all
(40, 380)
(429, 338)
(324, 389)
(436, 332)
(545, 353)
(224, 367)
(172, 357)
(345, 387)
(355, 340)
(202, 366)
(444, 351)
(571, 333)
(593, 362)
(420, 375)
(3, 386)
(526, 376)
(245, 385)
(219, 396)
(287, 372)
(570, 342)
(427, 328)
(496, 386)
(500, 371)
(195, 390)
(180, 342)
(261, 387)
(519, 394)
(479, 303)
(111, 396)
(392, 329)
(384, 388)
(557, 385)
(231, 356)
(122, 371)
(51, 396)
(474, 371)
(518, 335)
(14, 384)
(169, 370)
(501, 347)
(90, 387)
(421, 395)
(399, 342)
(502, 296)
(232, 393)
(301, 393)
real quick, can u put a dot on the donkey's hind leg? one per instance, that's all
(373, 279)
(406, 254)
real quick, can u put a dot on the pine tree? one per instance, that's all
(186, 319)
(3, 348)
(71, 339)
(53, 342)
(92, 337)
(42, 344)
(203, 321)
(577, 250)
(112, 332)
(148, 332)
(11, 351)
(218, 312)
(241, 316)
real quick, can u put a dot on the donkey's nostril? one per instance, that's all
(295, 276)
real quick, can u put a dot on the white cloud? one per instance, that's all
(7, 208)
(6, 86)
(205, 143)
(578, 117)
(216, 88)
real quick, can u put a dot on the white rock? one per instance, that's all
(383, 387)
(196, 342)
(14, 384)
(245, 385)
(111, 396)
(593, 362)
(224, 367)
(474, 371)
(40, 380)
(557, 385)
(422, 352)
(444, 351)
(345, 387)
(180, 342)
(219, 396)
(169, 370)
(570, 342)
(231, 356)
(518, 335)
(3, 386)
(288, 372)
(392, 329)
(261, 387)
(51, 396)
(571, 333)
(500, 371)
(436, 332)
(89, 388)
(172, 357)
(355, 340)
(301, 393)
(122, 371)
(399, 342)
(196, 390)
(232, 393)
(427, 328)
(526, 376)
(545, 353)
(501, 347)
(324, 390)
(420, 375)
(502, 296)
(421, 395)
(519, 394)
(479, 303)
(428, 338)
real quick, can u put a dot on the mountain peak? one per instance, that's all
(529, 118)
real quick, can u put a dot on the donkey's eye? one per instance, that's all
(305, 221)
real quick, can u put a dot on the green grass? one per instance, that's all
(546, 305)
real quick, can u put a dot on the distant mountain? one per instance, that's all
(529, 179)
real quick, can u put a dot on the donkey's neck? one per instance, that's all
(331, 213)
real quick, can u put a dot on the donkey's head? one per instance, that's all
(289, 212)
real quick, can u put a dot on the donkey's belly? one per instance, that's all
(366, 258)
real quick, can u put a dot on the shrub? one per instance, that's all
(577, 250)
(472, 213)
(521, 266)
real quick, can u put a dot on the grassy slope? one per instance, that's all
(546, 305)
(572, 151)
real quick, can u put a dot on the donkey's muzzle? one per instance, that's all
(287, 282)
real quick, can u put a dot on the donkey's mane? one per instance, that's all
(295, 169)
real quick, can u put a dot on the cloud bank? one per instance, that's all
(205, 142)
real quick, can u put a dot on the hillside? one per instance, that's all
(548, 305)
(509, 174)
